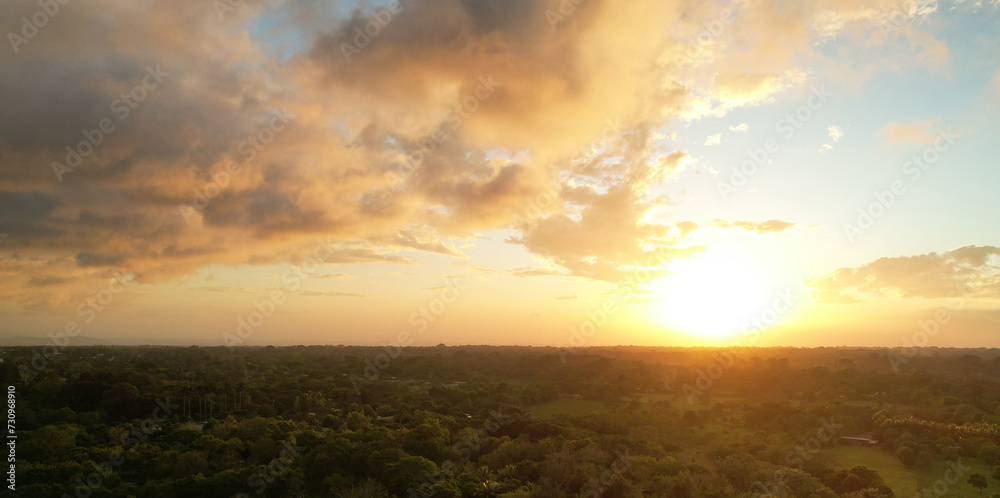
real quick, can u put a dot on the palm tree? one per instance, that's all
(200, 395)
(241, 386)
(186, 390)
(226, 386)
(210, 401)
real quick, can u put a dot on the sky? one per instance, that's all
(543, 172)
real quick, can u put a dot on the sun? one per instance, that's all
(711, 296)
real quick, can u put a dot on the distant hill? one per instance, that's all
(22, 340)
(81, 340)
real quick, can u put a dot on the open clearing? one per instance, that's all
(569, 406)
(906, 482)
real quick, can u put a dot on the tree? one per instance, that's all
(978, 481)
(357, 421)
(186, 390)
(990, 453)
(367, 489)
(413, 473)
(240, 386)
(122, 400)
(210, 401)
(226, 387)
(330, 421)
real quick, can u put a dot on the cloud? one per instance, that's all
(750, 89)
(455, 120)
(769, 226)
(670, 163)
(919, 132)
(970, 271)
(338, 276)
(686, 227)
(227, 289)
(713, 139)
(835, 133)
(740, 128)
(261, 290)
(421, 239)
(535, 271)
(442, 48)
(609, 234)
(834, 297)
(319, 293)
(521, 272)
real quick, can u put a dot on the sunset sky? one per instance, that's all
(763, 172)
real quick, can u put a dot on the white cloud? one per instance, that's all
(835, 133)
(740, 128)
(714, 139)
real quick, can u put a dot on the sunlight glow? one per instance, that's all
(711, 296)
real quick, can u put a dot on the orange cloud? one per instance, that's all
(920, 132)
(458, 117)
(970, 271)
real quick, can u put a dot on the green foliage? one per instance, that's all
(989, 452)
(277, 422)
(978, 481)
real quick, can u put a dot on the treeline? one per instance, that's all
(467, 421)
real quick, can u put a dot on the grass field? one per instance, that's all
(656, 397)
(903, 481)
(569, 406)
(906, 482)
